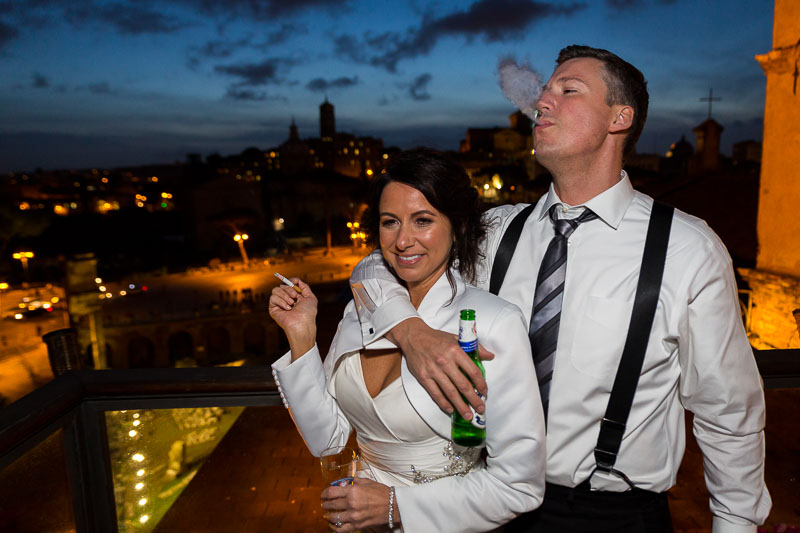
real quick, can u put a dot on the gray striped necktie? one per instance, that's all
(547, 299)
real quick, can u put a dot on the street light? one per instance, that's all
(356, 235)
(3, 286)
(240, 238)
(23, 257)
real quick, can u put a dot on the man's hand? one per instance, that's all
(440, 365)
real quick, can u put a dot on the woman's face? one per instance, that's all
(415, 238)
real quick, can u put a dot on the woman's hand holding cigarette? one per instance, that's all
(294, 308)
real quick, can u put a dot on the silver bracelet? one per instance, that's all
(391, 507)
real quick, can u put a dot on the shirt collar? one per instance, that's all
(610, 205)
(440, 294)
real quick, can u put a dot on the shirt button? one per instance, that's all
(564, 209)
(569, 242)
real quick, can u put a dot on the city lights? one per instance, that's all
(139, 486)
(132, 433)
(240, 238)
(356, 235)
(23, 257)
(140, 472)
(138, 457)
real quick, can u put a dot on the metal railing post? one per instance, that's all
(89, 471)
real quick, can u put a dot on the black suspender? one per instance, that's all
(508, 244)
(612, 427)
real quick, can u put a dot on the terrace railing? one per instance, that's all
(112, 450)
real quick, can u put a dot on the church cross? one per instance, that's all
(710, 99)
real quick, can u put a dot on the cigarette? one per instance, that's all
(289, 283)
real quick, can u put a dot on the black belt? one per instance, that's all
(583, 494)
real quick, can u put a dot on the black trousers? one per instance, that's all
(580, 510)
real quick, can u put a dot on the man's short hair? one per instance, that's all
(625, 85)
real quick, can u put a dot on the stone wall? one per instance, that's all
(778, 223)
(774, 298)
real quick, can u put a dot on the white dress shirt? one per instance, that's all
(698, 356)
(512, 481)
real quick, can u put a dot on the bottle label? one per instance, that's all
(467, 335)
(478, 420)
(469, 346)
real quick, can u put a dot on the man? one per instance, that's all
(590, 115)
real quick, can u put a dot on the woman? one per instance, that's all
(426, 219)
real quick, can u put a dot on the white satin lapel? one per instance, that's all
(347, 339)
(423, 404)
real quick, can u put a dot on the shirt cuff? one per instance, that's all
(310, 362)
(720, 525)
(393, 311)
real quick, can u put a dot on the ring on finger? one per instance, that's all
(338, 521)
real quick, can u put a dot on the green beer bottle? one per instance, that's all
(469, 432)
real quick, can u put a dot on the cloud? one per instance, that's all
(283, 34)
(220, 49)
(100, 88)
(322, 85)
(40, 81)
(622, 4)
(214, 50)
(245, 94)
(263, 10)
(7, 33)
(492, 20)
(384, 100)
(238, 93)
(418, 89)
(267, 72)
(131, 18)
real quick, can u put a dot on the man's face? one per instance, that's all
(574, 118)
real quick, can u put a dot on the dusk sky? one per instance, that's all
(99, 83)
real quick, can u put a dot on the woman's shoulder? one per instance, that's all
(489, 304)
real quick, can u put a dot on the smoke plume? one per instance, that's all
(520, 84)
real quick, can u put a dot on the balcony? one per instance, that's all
(213, 449)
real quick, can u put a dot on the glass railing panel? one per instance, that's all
(154, 455)
(34, 490)
(260, 478)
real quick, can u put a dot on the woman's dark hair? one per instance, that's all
(447, 188)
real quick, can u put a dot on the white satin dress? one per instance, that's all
(404, 436)
(396, 443)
